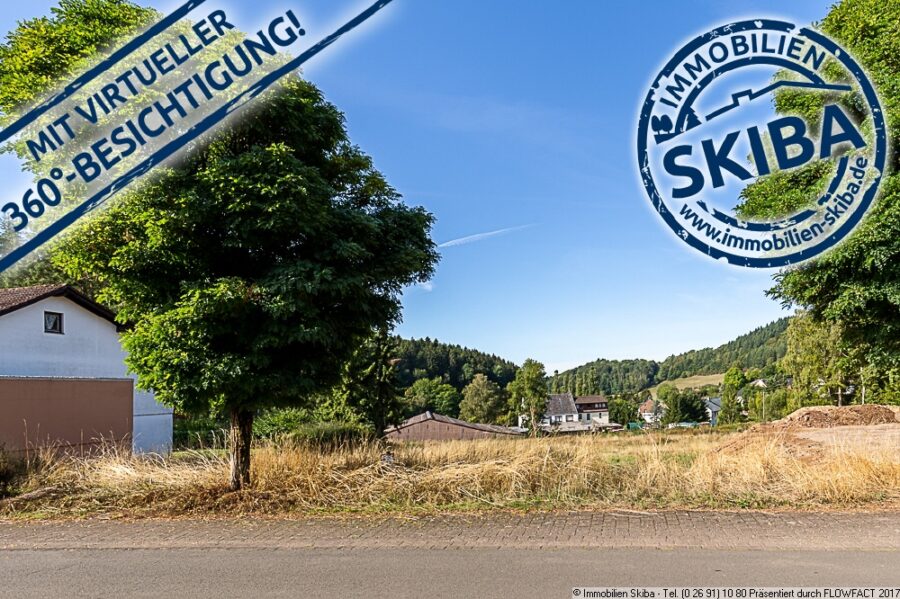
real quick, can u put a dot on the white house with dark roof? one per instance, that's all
(560, 409)
(63, 373)
(569, 414)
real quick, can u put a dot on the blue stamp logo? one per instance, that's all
(710, 140)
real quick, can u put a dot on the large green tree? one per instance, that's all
(682, 406)
(623, 411)
(528, 393)
(433, 395)
(252, 272)
(37, 55)
(369, 389)
(818, 361)
(856, 286)
(483, 400)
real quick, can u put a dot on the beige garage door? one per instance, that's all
(75, 414)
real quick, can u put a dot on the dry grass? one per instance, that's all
(658, 470)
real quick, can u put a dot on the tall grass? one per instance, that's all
(656, 470)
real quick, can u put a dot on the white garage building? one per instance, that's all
(61, 359)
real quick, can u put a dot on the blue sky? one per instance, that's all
(519, 118)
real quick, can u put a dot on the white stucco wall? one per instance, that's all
(89, 348)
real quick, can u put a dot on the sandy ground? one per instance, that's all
(878, 437)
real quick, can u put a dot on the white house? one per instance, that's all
(651, 411)
(560, 409)
(54, 334)
(593, 409)
(567, 414)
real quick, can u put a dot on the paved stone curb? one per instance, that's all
(662, 530)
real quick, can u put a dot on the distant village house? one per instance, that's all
(650, 411)
(566, 413)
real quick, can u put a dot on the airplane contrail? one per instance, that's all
(480, 236)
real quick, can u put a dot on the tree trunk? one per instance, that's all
(241, 437)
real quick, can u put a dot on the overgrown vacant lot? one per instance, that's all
(770, 467)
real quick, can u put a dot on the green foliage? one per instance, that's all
(681, 406)
(610, 377)
(528, 393)
(332, 407)
(760, 348)
(199, 431)
(278, 422)
(666, 392)
(253, 272)
(785, 192)
(369, 389)
(432, 395)
(816, 359)
(856, 286)
(483, 401)
(45, 51)
(455, 365)
(330, 435)
(39, 54)
(767, 405)
(734, 380)
(623, 411)
(731, 410)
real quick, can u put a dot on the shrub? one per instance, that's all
(283, 424)
(330, 435)
(278, 422)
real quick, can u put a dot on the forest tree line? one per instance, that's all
(760, 349)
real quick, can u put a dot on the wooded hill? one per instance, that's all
(457, 365)
(760, 348)
(453, 364)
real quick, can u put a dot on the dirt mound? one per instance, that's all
(831, 416)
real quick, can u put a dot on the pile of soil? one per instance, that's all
(831, 416)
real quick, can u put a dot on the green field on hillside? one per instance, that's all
(693, 382)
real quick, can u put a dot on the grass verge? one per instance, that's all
(646, 471)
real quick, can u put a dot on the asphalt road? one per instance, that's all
(496, 554)
(400, 573)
